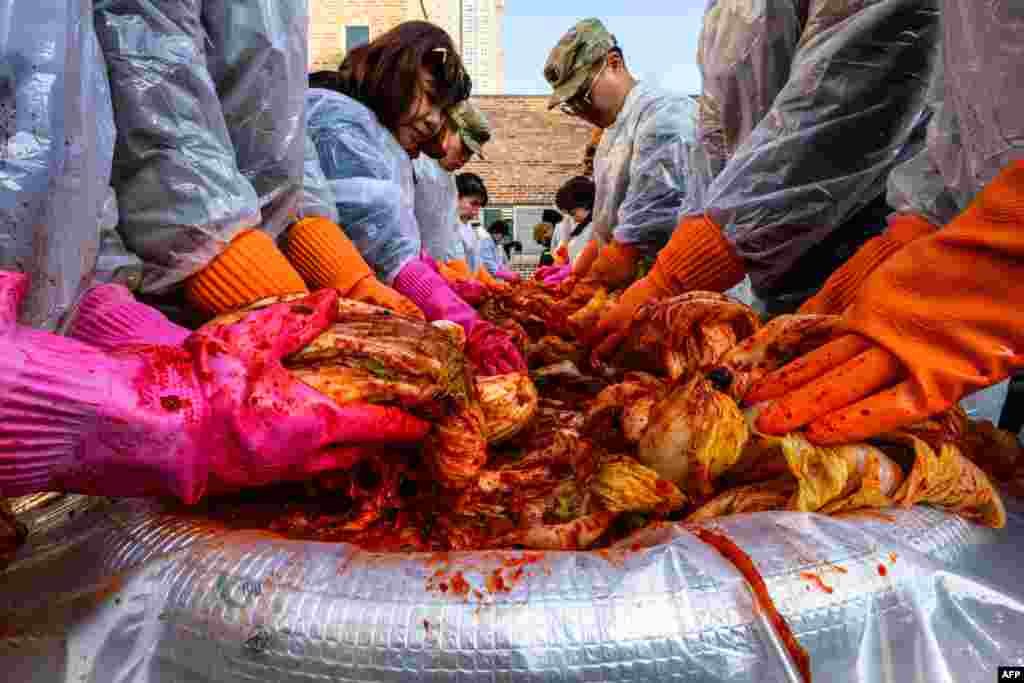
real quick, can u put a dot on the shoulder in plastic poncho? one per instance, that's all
(58, 214)
(437, 209)
(371, 177)
(642, 166)
(784, 97)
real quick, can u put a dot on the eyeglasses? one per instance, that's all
(577, 104)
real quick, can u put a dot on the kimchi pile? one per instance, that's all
(570, 457)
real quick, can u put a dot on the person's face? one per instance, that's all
(599, 100)
(580, 214)
(469, 207)
(456, 153)
(423, 120)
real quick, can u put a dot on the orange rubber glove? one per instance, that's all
(561, 255)
(841, 288)
(937, 321)
(462, 268)
(326, 258)
(697, 257)
(489, 281)
(614, 267)
(250, 269)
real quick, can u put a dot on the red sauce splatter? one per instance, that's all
(443, 587)
(636, 547)
(841, 570)
(426, 625)
(478, 595)
(662, 487)
(517, 574)
(882, 571)
(732, 552)
(527, 558)
(459, 584)
(892, 557)
(816, 580)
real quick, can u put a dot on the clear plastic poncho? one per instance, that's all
(492, 256)
(641, 167)
(437, 208)
(57, 211)
(807, 115)
(470, 246)
(317, 197)
(208, 96)
(371, 177)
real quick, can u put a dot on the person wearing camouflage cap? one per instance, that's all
(464, 134)
(641, 163)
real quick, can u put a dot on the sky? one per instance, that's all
(659, 40)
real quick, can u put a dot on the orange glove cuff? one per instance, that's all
(485, 277)
(581, 266)
(462, 268)
(250, 269)
(325, 256)
(843, 285)
(697, 257)
(448, 273)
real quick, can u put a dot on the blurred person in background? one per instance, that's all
(495, 247)
(572, 233)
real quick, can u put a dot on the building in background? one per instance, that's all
(476, 27)
(532, 152)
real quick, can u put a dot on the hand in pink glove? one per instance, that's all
(110, 318)
(544, 271)
(219, 413)
(470, 291)
(558, 276)
(491, 349)
(507, 276)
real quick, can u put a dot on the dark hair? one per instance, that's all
(502, 226)
(323, 79)
(384, 74)
(551, 216)
(576, 193)
(471, 185)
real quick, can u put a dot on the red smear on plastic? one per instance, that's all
(816, 580)
(882, 571)
(734, 554)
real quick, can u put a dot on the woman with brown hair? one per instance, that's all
(383, 106)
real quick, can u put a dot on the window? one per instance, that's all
(356, 36)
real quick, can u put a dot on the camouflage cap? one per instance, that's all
(472, 126)
(569, 62)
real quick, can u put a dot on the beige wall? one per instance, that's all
(482, 47)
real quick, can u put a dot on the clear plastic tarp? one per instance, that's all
(132, 592)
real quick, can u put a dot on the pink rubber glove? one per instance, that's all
(218, 414)
(490, 349)
(472, 292)
(109, 317)
(558, 276)
(545, 271)
(507, 276)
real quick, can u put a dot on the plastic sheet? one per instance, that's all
(181, 196)
(786, 94)
(257, 56)
(371, 177)
(437, 208)
(317, 197)
(129, 591)
(641, 168)
(57, 143)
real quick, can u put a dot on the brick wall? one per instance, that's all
(532, 151)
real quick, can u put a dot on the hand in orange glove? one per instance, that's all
(250, 269)
(326, 258)
(614, 267)
(461, 268)
(489, 281)
(697, 257)
(561, 255)
(841, 288)
(938, 320)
